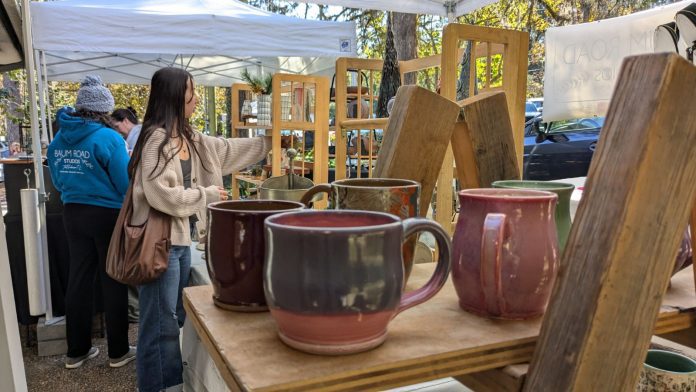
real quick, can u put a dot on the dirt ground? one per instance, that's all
(49, 374)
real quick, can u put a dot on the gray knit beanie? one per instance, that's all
(94, 96)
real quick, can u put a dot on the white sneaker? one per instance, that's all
(124, 360)
(74, 363)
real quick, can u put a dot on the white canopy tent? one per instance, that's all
(126, 41)
(448, 8)
(10, 36)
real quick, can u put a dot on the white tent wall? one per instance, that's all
(583, 60)
(127, 41)
(447, 8)
(10, 36)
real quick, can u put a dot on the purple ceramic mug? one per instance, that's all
(334, 279)
(235, 251)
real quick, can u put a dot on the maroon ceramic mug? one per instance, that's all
(505, 252)
(235, 251)
(334, 279)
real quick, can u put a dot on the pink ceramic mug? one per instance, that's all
(505, 252)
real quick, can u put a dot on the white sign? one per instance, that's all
(583, 61)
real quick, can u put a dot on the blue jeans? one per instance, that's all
(159, 363)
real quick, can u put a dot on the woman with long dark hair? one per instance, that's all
(89, 162)
(179, 172)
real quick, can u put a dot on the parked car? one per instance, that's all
(530, 111)
(537, 102)
(560, 149)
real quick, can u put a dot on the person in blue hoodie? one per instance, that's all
(88, 161)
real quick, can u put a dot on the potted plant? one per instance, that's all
(262, 86)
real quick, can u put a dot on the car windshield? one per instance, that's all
(576, 124)
(529, 107)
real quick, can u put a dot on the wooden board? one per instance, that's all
(417, 135)
(483, 143)
(427, 342)
(629, 224)
(511, 378)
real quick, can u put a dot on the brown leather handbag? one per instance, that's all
(138, 254)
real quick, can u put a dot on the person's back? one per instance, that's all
(87, 161)
(89, 166)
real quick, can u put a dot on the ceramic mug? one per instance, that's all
(334, 279)
(561, 189)
(235, 251)
(667, 371)
(395, 196)
(505, 252)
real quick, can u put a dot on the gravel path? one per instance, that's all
(49, 373)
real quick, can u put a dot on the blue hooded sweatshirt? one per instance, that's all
(88, 162)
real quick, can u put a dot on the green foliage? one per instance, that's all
(259, 84)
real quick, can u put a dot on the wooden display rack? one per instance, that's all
(365, 121)
(514, 84)
(309, 103)
(488, 43)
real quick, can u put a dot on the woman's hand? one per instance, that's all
(223, 193)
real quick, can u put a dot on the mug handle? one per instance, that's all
(491, 255)
(439, 278)
(307, 198)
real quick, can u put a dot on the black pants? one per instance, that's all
(89, 231)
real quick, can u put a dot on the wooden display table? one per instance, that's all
(430, 341)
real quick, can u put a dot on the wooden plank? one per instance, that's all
(364, 64)
(513, 45)
(365, 123)
(482, 143)
(416, 139)
(247, 352)
(511, 378)
(496, 380)
(618, 259)
(686, 337)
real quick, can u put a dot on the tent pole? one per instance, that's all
(210, 110)
(44, 71)
(42, 98)
(450, 7)
(36, 145)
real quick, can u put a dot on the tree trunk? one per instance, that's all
(405, 40)
(12, 109)
(465, 75)
(391, 81)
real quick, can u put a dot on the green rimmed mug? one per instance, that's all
(562, 189)
(667, 371)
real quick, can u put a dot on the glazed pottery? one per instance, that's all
(561, 189)
(505, 252)
(395, 196)
(334, 279)
(685, 254)
(667, 371)
(278, 188)
(236, 248)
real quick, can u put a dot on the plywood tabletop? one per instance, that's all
(433, 340)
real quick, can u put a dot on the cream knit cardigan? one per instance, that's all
(166, 192)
